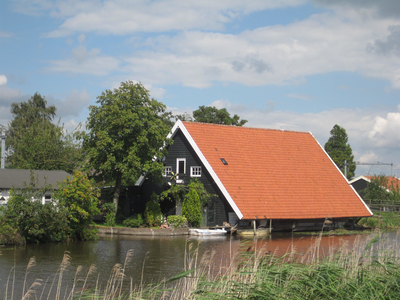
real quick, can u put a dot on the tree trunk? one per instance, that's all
(117, 192)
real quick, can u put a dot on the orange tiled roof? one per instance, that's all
(275, 174)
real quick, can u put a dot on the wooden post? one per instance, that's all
(254, 227)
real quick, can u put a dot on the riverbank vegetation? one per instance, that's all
(367, 269)
(382, 220)
(67, 217)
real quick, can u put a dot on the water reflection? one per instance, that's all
(153, 258)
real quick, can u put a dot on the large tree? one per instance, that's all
(36, 142)
(340, 151)
(126, 132)
(211, 114)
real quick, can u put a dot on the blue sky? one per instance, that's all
(290, 64)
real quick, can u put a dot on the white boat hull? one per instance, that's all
(207, 232)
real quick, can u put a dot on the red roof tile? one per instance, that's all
(274, 173)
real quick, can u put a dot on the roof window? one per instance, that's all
(224, 161)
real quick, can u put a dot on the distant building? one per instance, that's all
(20, 178)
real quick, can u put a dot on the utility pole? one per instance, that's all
(3, 148)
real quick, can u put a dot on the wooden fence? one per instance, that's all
(383, 205)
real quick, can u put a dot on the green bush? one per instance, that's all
(36, 222)
(153, 213)
(90, 233)
(369, 222)
(108, 211)
(80, 199)
(134, 222)
(10, 235)
(177, 221)
(191, 208)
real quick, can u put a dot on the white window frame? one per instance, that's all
(166, 173)
(179, 180)
(184, 165)
(195, 171)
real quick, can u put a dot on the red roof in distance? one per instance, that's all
(273, 173)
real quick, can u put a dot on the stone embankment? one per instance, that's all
(141, 231)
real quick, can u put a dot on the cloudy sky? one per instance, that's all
(286, 64)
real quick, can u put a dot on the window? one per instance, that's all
(181, 165)
(195, 171)
(167, 171)
(180, 169)
(47, 198)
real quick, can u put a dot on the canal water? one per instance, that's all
(150, 258)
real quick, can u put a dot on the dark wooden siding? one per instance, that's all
(182, 149)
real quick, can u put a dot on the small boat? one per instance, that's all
(250, 232)
(207, 232)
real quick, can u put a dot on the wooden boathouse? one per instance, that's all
(278, 177)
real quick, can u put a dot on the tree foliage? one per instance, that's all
(126, 131)
(191, 208)
(36, 142)
(80, 199)
(340, 150)
(177, 192)
(211, 114)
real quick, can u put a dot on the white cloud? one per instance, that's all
(3, 79)
(298, 96)
(121, 17)
(83, 61)
(72, 105)
(384, 132)
(81, 38)
(273, 55)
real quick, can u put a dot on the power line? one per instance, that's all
(368, 164)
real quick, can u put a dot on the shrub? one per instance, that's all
(10, 235)
(177, 221)
(108, 211)
(134, 222)
(80, 199)
(191, 208)
(369, 222)
(36, 222)
(152, 213)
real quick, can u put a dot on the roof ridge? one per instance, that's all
(251, 128)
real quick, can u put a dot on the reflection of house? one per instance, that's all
(20, 178)
(262, 175)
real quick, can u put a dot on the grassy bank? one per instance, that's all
(368, 269)
(382, 220)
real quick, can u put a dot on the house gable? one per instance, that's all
(183, 149)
